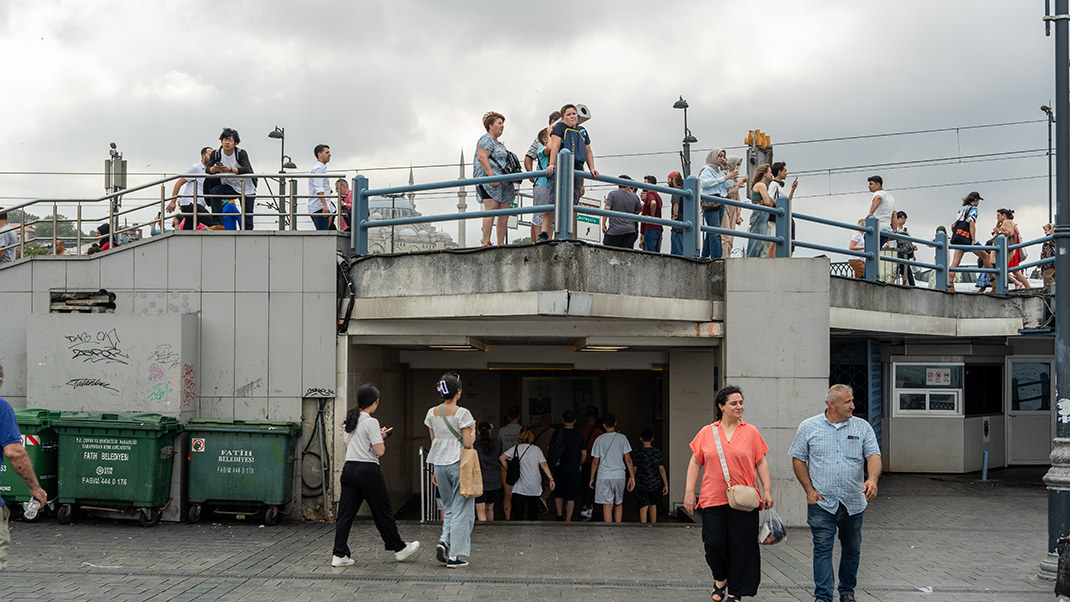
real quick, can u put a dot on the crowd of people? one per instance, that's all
(835, 458)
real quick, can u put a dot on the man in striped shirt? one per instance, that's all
(831, 454)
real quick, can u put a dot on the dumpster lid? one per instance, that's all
(117, 420)
(35, 417)
(214, 424)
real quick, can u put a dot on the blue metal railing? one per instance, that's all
(565, 211)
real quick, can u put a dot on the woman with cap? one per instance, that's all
(964, 232)
(363, 480)
(452, 427)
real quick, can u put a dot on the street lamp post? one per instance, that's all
(685, 154)
(1057, 478)
(285, 162)
(1051, 121)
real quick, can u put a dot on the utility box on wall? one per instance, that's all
(114, 363)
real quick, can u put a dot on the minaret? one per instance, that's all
(411, 195)
(461, 204)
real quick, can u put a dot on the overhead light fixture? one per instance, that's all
(603, 348)
(460, 344)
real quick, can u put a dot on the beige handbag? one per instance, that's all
(471, 475)
(740, 497)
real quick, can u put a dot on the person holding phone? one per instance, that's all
(363, 480)
(776, 190)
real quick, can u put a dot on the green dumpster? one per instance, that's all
(39, 439)
(237, 466)
(115, 462)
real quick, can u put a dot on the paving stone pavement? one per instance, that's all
(965, 540)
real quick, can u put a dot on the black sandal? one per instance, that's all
(719, 591)
(732, 598)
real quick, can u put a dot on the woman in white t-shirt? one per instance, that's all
(362, 480)
(528, 489)
(452, 427)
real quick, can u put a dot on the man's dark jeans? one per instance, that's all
(323, 222)
(823, 526)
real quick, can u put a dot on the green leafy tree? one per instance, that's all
(35, 249)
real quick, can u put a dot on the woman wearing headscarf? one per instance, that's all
(452, 428)
(731, 217)
(362, 480)
(729, 535)
(490, 160)
(713, 181)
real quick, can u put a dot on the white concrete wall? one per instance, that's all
(776, 348)
(114, 363)
(265, 301)
(265, 307)
(688, 408)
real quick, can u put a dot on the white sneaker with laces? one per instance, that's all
(341, 561)
(407, 551)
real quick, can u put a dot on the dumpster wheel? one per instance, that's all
(64, 514)
(148, 517)
(194, 513)
(271, 515)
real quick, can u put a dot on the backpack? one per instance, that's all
(556, 450)
(512, 164)
(512, 466)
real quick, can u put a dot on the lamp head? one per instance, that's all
(277, 133)
(288, 163)
(680, 104)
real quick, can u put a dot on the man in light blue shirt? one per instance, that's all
(829, 454)
(713, 181)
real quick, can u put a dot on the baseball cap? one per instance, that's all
(974, 196)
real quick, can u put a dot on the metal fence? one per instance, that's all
(109, 210)
(690, 222)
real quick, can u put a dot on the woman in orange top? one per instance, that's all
(729, 536)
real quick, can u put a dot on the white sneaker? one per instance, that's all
(341, 561)
(407, 551)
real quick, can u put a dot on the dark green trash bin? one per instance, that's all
(115, 462)
(39, 439)
(240, 467)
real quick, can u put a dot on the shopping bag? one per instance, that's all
(772, 530)
(471, 477)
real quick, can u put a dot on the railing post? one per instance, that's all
(872, 239)
(564, 181)
(293, 205)
(783, 227)
(360, 215)
(689, 212)
(1000, 283)
(942, 274)
(78, 220)
(54, 228)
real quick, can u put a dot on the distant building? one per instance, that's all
(403, 239)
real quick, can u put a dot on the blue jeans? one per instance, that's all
(711, 243)
(460, 515)
(323, 222)
(676, 243)
(652, 241)
(823, 526)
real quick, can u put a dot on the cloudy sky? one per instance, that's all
(405, 82)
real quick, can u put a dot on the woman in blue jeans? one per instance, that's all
(452, 427)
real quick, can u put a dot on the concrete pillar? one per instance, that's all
(776, 348)
(691, 392)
